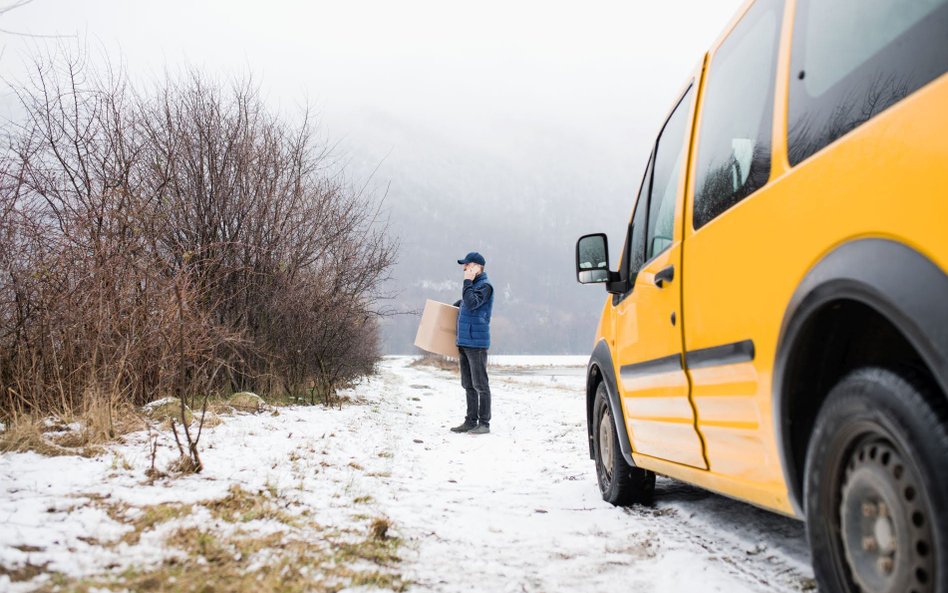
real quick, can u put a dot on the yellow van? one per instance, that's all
(777, 327)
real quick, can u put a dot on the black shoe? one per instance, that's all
(467, 426)
(482, 429)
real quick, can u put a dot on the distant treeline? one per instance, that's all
(183, 240)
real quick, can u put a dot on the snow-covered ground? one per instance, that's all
(515, 510)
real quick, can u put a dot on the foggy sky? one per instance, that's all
(471, 115)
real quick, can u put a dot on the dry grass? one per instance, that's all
(436, 361)
(22, 573)
(146, 519)
(226, 553)
(300, 558)
(379, 528)
(99, 422)
(233, 564)
(183, 466)
(241, 506)
(27, 433)
(153, 516)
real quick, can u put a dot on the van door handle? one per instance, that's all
(664, 275)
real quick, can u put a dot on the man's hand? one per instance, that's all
(470, 272)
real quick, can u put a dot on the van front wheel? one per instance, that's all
(620, 483)
(874, 479)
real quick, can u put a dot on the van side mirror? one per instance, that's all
(592, 259)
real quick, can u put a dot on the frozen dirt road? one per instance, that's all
(517, 510)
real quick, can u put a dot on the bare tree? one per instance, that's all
(182, 241)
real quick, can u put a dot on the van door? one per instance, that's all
(737, 251)
(648, 352)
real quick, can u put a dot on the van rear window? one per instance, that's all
(852, 59)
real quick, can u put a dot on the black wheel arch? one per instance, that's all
(600, 370)
(892, 296)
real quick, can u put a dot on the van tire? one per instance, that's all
(875, 475)
(619, 483)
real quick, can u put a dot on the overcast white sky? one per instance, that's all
(445, 61)
(540, 112)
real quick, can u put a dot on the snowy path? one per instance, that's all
(519, 510)
(516, 510)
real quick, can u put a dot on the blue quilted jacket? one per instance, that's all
(476, 304)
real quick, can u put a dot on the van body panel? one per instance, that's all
(698, 396)
(658, 413)
(889, 181)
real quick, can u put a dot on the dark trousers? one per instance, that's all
(474, 380)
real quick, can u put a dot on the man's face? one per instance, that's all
(472, 266)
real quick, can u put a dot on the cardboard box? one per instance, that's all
(438, 330)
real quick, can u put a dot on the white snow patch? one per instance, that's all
(159, 402)
(514, 510)
(546, 361)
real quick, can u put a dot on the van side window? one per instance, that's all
(663, 197)
(852, 59)
(635, 242)
(737, 114)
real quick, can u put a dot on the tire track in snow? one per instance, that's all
(522, 503)
(769, 567)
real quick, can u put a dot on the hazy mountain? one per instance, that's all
(521, 193)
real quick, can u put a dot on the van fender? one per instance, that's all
(600, 369)
(900, 283)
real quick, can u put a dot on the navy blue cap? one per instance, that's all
(473, 257)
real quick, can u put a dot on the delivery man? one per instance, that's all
(477, 300)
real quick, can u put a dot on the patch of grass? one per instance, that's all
(225, 556)
(100, 422)
(211, 420)
(147, 519)
(183, 465)
(228, 554)
(164, 410)
(362, 499)
(285, 400)
(154, 515)
(119, 462)
(436, 361)
(382, 552)
(203, 543)
(241, 506)
(271, 489)
(379, 528)
(248, 563)
(22, 573)
(218, 406)
(27, 433)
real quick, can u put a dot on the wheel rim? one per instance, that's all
(606, 443)
(884, 524)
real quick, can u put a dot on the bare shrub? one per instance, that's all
(287, 255)
(183, 241)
